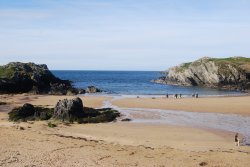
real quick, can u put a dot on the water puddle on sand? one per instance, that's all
(227, 122)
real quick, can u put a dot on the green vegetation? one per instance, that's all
(241, 62)
(51, 125)
(233, 60)
(6, 72)
(186, 65)
(182, 67)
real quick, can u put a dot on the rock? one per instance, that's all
(126, 120)
(68, 110)
(229, 73)
(73, 111)
(21, 113)
(19, 77)
(29, 112)
(72, 92)
(92, 89)
(65, 110)
(81, 91)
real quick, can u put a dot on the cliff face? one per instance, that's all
(229, 73)
(19, 77)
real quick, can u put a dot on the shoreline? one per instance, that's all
(160, 95)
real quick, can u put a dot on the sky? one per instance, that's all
(122, 34)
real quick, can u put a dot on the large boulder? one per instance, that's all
(19, 77)
(72, 110)
(68, 109)
(229, 73)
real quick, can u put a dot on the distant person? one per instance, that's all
(180, 96)
(196, 95)
(175, 95)
(237, 140)
(167, 95)
(193, 95)
(138, 97)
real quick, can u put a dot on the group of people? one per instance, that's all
(176, 96)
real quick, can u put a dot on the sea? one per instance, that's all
(133, 83)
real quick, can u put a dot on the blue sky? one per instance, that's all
(122, 34)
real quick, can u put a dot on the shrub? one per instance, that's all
(51, 125)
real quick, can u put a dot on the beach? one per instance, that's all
(229, 105)
(121, 143)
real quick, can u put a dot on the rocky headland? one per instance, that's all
(17, 77)
(222, 73)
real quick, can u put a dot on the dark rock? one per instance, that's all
(68, 110)
(2, 103)
(65, 110)
(98, 115)
(29, 112)
(92, 89)
(228, 73)
(203, 164)
(73, 111)
(126, 120)
(72, 92)
(22, 113)
(19, 77)
(81, 91)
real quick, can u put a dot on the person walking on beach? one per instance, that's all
(196, 95)
(167, 95)
(237, 140)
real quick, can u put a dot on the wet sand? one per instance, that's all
(112, 144)
(229, 105)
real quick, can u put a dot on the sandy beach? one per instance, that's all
(228, 105)
(121, 143)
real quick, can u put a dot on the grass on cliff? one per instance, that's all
(6, 72)
(233, 60)
(242, 62)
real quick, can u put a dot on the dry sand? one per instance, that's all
(229, 105)
(50, 101)
(112, 144)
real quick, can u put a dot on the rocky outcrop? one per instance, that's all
(68, 109)
(19, 77)
(72, 110)
(30, 112)
(229, 73)
(92, 89)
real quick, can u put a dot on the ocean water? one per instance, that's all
(132, 83)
